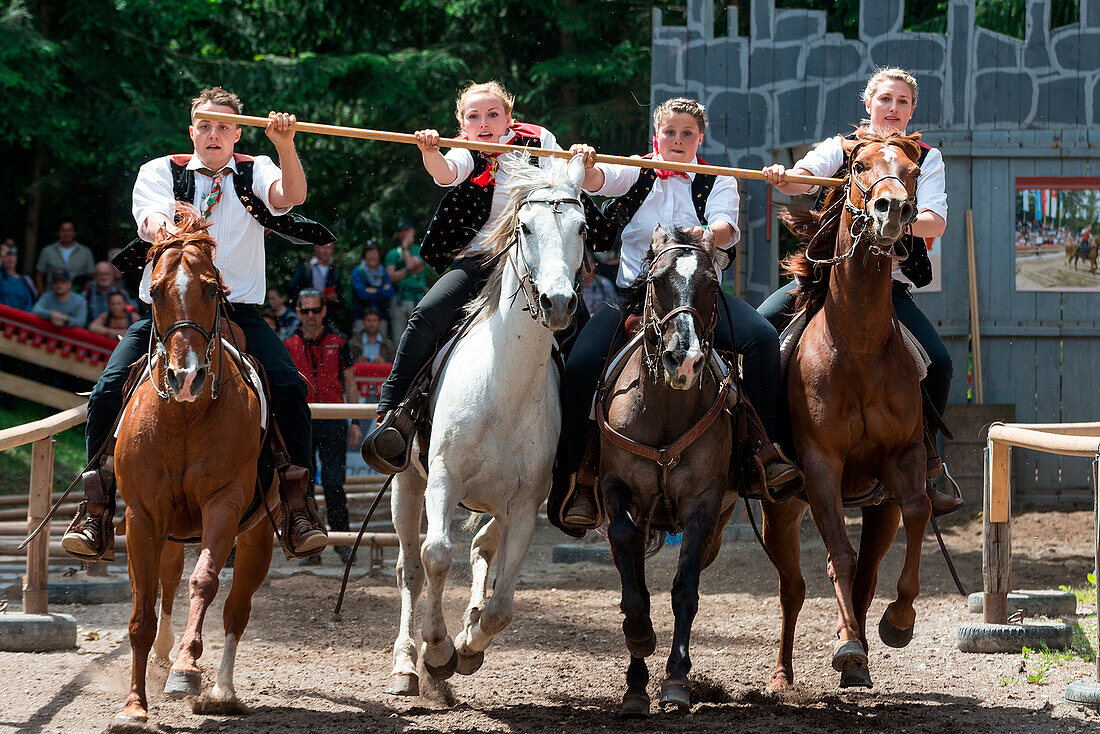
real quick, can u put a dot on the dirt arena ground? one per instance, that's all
(561, 665)
(1050, 270)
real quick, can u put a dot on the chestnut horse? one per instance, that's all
(666, 439)
(186, 457)
(855, 405)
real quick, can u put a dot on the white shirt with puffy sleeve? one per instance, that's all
(240, 252)
(668, 203)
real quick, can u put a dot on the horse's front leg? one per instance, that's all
(219, 529)
(406, 507)
(700, 517)
(628, 549)
(440, 657)
(906, 476)
(483, 551)
(823, 473)
(144, 544)
(171, 571)
(782, 522)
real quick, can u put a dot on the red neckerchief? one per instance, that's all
(489, 175)
(663, 173)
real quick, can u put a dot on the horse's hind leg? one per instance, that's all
(249, 571)
(406, 506)
(782, 523)
(906, 478)
(219, 526)
(171, 570)
(483, 550)
(143, 560)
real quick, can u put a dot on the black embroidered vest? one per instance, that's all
(916, 266)
(622, 209)
(465, 209)
(291, 226)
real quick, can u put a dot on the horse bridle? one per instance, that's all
(862, 223)
(213, 338)
(526, 281)
(651, 322)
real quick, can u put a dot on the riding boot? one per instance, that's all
(91, 534)
(303, 532)
(942, 502)
(386, 448)
(573, 507)
(780, 473)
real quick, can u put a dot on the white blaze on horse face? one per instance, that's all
(889, 154)
(686, 265)
(191, 362)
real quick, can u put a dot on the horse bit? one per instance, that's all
(526, 282)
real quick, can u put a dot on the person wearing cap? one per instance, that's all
(60, 306)
(407, 274)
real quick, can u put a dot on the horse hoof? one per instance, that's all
(855, 678)
(644, 648)
(210, 706)
(182, 683)
(445, 671)
(894, 636)
(635, 706)
(849, 654)
(675, 695)
(404, 684)
(470, 664)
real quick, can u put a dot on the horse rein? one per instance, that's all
(526, 281)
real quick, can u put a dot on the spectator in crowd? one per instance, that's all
(323, 357)
(368, 343)
(65, 254)
(116, 319)
(596, 290)
(319, 274)
(60, 306)
(104, 282)
(16, 289)
(286, 318)
(406, 271)
(268, 315)
(371, 284)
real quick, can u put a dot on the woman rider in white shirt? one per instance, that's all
(890, 98)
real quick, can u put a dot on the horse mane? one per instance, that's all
(632, 298)
(525, 179)
(808, 225)
(192, 230)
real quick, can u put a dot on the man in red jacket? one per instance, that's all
(323, 357)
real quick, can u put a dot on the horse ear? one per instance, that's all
(575, 170)
(722, 258)
(849, 145)
(708, 237)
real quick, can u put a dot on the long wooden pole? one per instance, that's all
(975, 321)
(390, 137)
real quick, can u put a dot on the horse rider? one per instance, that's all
(645, 198)
(890, 98)
(241, 197)
(457, 236)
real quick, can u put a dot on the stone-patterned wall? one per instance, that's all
(790, 83)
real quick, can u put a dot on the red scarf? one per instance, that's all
(663, 173)
(489, 175)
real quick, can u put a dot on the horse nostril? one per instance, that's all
(545, 303)
(173, 379)
(572, 305)
(906, 211)
(197, 382)
(882, 206)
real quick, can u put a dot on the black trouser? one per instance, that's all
(330, 446)
(432, 320)
(752, 337)
(288, 390)
(779, 308)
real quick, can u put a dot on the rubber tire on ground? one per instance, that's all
(1034, 603)
(37, 632)
(1081, 693)
(979, 637)
(90, 590)
(576, 553)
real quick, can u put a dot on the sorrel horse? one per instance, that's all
(855, 405)
(496, 417)
(666, 439)
(186, 458)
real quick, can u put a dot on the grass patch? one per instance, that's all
(15, 464)
(1086, 595)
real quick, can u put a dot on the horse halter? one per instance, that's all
(213, 338)
(526, 281)
(657, 324)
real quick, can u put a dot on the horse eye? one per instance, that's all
(154, 293)
(859, 167)
(523, 227)
(212, 291)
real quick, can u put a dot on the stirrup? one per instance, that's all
(956, 493)
(378, 449)
(79, 544)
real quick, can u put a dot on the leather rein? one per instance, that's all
(667, 457)
(526, 281)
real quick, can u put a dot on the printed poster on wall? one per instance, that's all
(1057, 228)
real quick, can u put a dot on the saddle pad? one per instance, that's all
(788, 340)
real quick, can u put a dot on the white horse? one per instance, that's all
(495, 425)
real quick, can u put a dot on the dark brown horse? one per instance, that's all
(855, 405)
(665, 449)
(186, 460)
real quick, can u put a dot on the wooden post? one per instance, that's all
(975, 321)
(35, 594)
(996, 535)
